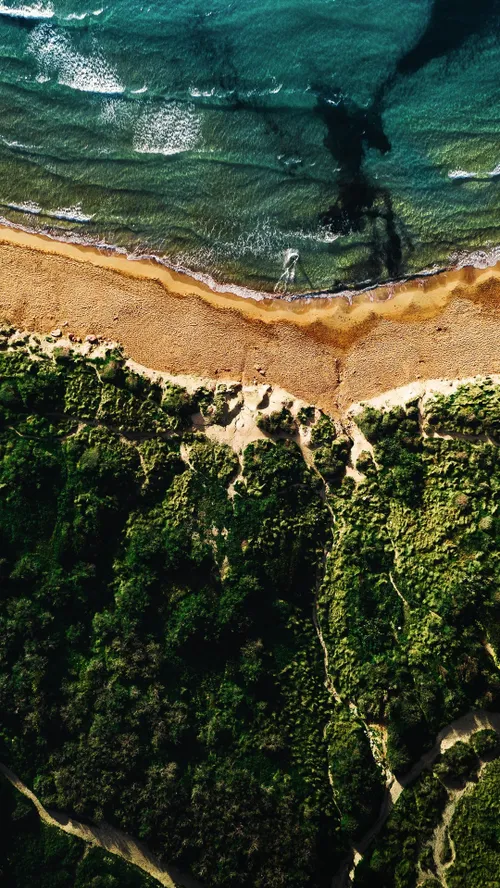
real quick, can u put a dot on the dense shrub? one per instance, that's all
(34, 854)
(159, 661)
(393, 862)
(277, 422)
(475, 832)
(458, 764)
(357, 782)
(486, 743)
(159, 667)
(473, 409)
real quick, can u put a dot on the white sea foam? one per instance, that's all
(268, 241)
(290, 260)
(461, 174)
(28, 206)
(70, 214)
(321, 236)
(476, 258)
(170, 129)
(14, 144)
(201, 93)
(119, 113)
(228, 95)
(56, 57)
(264, 241)
(138, 92)
(273, 91)
(261, 93)
(110, 111)
(464, 174)
(80, 16)
(32, 11)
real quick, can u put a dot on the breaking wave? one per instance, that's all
(477, 258)
(466, 174)
(80, 16)
(33, 11)
(170, 130)
(68, 214)
(461, 174)
(28, 206)
(56, 57)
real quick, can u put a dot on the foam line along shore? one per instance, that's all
(419, 296)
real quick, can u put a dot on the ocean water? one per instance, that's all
(283, 145)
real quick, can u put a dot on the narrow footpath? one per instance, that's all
(461, 729)
(108, 838)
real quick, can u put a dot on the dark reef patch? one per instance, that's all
(352, 130)
(361, 204)
(450, 24)
(215, 51)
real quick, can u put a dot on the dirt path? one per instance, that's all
(108, 838)
(441, 832)
(461, 729)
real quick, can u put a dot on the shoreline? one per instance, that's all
(486, 260)
(328, 351)
(302, 309)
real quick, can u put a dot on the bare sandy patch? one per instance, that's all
(326, 351)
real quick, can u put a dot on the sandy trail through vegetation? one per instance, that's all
(108, 838)
(117, 842)
(461, 729)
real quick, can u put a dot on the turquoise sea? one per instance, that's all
(287, 145)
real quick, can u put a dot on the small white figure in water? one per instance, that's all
(289, 268)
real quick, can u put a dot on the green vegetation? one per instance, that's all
(331, 459)
(323, 431)
(35, 855)
(213, 404)
(406, 845)
(159, 666)
(459, 764)
(486, 744)
(411, 592)
(357, 781)
(278, 422)
(306, 415)
(161, 600)
(332, 452)
(475, 833)
(471, 410)
(394, 861)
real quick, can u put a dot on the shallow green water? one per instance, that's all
(324, 142)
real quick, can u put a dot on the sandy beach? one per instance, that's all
(325, 351)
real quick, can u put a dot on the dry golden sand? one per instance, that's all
(323, 351)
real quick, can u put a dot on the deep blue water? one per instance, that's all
(301, 145)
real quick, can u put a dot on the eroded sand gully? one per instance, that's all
(325, 351)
